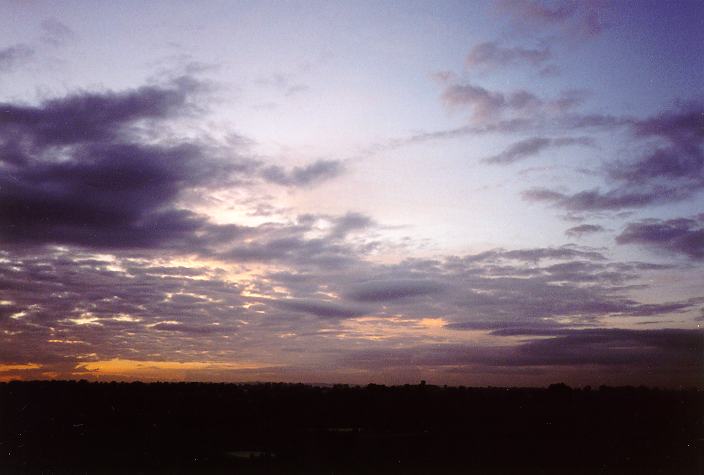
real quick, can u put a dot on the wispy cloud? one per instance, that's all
(307, 175)
(583, 229)
(56, 33)
(533, 146)
(13, 56)
(490, 55)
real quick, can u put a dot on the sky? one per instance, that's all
(503, 193)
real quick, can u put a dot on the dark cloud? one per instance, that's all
(74, 174)
(596, 200)
(676, 156)
(349, 223)
(582, 229)
(390, 290)
(113, 195)
(668, 165)
(490, 54)
(319, 308)
(13, 56)
(99, 170)
(288, 244)
(533, 146)
(190, 329)
(678, 236)
(307, 175)
(537, 254)
(603, 346)
(90, 117)
(670, 356)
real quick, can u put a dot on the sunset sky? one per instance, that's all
(476, 193)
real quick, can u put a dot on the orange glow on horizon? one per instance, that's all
(164, 370)
(13, 370)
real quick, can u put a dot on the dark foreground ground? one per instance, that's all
(79, 427)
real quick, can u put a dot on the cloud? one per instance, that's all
(65, 305)
(533, 146)
(190, 329)
(668, 166)
(677, 236)
(678, 154)
(537, 254)
(132, 189)
(101, 170)
(576, 20)
(56, 33)
(95, 307)
(307, 175)
(390, 290)
(288, 244)
(534, 10)
(63, 151)
(582, 229)
(490, 55)
(319, 308)
(596, 200)
(13, 56)
(486, 104)
(488, 107)
(350, 223)
(663, 348)
(286, 83)
(91, 117)
(669, 356)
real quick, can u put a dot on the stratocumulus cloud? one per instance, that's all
(89, 144)
(680, 236)
(671, 168)
(400, 196)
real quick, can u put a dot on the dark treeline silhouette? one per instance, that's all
(64, 426)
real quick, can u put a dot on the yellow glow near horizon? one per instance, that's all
(13, 369)
(136, 369)
(18, 367)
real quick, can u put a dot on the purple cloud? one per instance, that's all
(671, 169)
(12, 56)
(582, 229)
(488, 107)
(319, 308)
(58, 153)
(55, 154)
(672, 355)
(573, 19)
(533, 146)
(490, 54)
(679, 236)
(307, 175)
(390, 290)
(56, 33)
